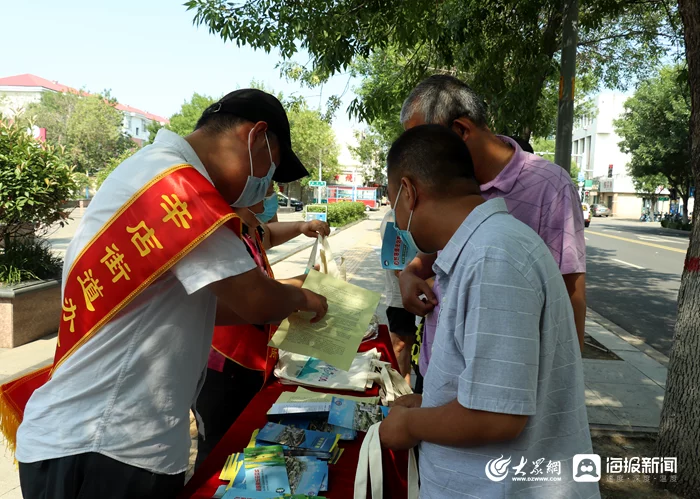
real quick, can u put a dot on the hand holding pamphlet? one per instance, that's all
(336, 337)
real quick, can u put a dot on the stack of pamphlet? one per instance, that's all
(264, 472)
(290, 455)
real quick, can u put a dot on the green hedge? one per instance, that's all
(669, 224)
(341, 213)
(27, 260)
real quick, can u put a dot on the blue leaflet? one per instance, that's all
(395, 253)
(355, 415)
(289, 436)
(265, 470)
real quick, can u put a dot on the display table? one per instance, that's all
(341, 475)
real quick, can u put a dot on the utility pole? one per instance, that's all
(320, 177)
(567, 84)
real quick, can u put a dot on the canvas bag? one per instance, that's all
(391, 384)
(371, 458)
(323, 255)
(319, 374)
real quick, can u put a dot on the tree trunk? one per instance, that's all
(685, 196)
(679, 432)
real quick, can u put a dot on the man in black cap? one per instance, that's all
(113, 419)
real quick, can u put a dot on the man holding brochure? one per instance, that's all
(506, 379)
(156, 258)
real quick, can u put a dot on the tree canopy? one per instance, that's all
(654, 130)
(88, 126)
(184, 121)
(371, 151)
(506, 49)
(313, 140)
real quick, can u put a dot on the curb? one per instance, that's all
(633, 340)
(602, 430)
(308, 245)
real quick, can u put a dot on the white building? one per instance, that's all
(350, 167)
(596, 151)
(17, 92)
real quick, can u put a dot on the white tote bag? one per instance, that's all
(295, 369)
(391, 384)
(371, 458)
(322, 254)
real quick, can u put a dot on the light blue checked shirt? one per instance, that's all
(506, 343)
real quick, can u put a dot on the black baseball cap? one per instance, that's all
(255, 105)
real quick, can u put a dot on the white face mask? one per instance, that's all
(255, 187)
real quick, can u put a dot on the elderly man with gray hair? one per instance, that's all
(536, 191)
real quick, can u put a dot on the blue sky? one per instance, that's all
(147, 52)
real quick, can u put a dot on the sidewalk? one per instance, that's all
(621, 395)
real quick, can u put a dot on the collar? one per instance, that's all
(505, 180)
(171, 140)
(448, 256)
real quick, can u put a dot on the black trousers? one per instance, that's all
(92, 475)
(222, 399)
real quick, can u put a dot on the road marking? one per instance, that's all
(638, 242)
(586, 238)
(627, 263)
(663, 239)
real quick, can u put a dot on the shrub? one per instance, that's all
(341, 213)
(676, 225)
(35, 181)
(28, 259)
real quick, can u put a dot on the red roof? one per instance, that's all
(27, 80)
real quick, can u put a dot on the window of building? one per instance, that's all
(137, 130)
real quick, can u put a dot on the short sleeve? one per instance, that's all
(564, 230)
(219, 256)
(500, 340)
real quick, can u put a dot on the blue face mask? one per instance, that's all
(405, 235)
(255, 187)
(270, 205)
(395, 253)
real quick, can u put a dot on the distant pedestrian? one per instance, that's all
(402, 324)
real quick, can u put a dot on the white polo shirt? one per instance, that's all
(127, 392)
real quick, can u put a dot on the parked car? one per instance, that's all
(295, 203)
(600, 210)
(586, 214)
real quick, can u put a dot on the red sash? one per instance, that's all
(246, 344)
(151, 232)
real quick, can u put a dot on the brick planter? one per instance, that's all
(28, 312)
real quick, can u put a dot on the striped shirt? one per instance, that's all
(541, 195)
(506, 343)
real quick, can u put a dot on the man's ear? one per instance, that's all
(257, 136)
(409, 191)
(463, 127)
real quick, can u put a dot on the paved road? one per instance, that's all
(633, 276)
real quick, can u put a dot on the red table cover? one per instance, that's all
(342, 474)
